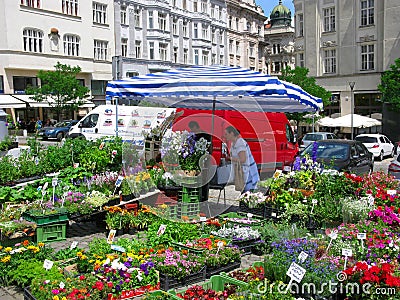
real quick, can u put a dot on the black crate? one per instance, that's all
(27, 294)
(257, 211)
(245, 245)
(210, 271)
(167, 282)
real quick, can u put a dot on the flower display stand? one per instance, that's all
(211, 271)
(10, 242)
(51, 232)
(46, 219)
(168, 282)
(134, 293)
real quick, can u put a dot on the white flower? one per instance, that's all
(139, 276)
(62, 285)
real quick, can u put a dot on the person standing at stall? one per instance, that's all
(242, 160)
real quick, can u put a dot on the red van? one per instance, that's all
(269, 134)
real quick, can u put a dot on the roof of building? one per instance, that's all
(280, 15)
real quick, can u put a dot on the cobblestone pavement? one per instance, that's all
(83, 233)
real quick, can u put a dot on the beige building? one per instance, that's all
(38, 34)
(245, 35)
(346, 42)
(279, 36)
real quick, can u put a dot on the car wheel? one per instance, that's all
(59, 136)
(381, 156)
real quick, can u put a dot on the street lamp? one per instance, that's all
(352, 84)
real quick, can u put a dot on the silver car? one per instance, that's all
(316, 136)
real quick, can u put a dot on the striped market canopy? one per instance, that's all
(228, 88)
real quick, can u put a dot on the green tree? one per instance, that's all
(300, 77)
(390, 85)
(61, 87)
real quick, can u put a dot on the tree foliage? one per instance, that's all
(390, 85)
(62, 87)
(300, 77)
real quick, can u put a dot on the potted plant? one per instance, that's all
(126, 192)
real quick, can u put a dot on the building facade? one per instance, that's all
(245, 35)
(38, 34)
(346, 45)
(152, 36)
(279, 38)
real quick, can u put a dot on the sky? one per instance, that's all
(268, 5)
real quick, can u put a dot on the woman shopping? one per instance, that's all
(242, 160)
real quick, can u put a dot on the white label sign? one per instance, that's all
(119, 181)
(161, 230)
(249, 215)
(302, 256)
(371, 199)
(203, 219)
(314, 201)
(111, 236)
(118, 248)
(48, 264)
(44, 188)
(277, 174)
(361, 236)
(391, 192)
(296, 272)
(54, 182)
(347, 252)
(73, 245)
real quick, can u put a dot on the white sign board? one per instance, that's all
(48, 264)
(347, 252)
(296, 272)
(302, 256)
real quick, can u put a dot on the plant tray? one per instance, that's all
(134, 293)
(227, 268)
(230, 219)
(245, 245)
(167, 282)
(257, 211)
(162, 295)
(7, 242)
(51, 232)
(46, 219)
(27, 294)
(189, 249)
(216, 283)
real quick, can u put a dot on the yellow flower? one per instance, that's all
(56, 297)
(79, 254)
(6, 259)
(40, 244)
(63, 298)
(7, 249)
(1, 247)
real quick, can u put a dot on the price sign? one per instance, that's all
(203, 219)
(333, 236)
(302, 256)
(111, 236)
(54, 182)
(118, 248)
(161, 229)
(76, 165)
(296, 273)
(220, 244)
(277, 174)
(249, 215)
(273, 214)
(48, 264)
(101, 146)
(361, 236)
(314, 201)
(44, 188)
(347, 252)
(391, 192)
(73, 245)
(119, 181)
(371, 200)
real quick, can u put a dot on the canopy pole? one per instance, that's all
(212, 117)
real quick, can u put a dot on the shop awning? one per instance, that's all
(24, 101)
(9, 101)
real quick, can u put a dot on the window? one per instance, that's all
(220, 13)
(212, 12)
(367, 12)
(31, 3)
(175, 54)
(205, 57)
(196, 57)
(138, 49)
(151, 20)
(185, 56)
(185, 29)
(71, 45)
(70, 7)
(237, 48)
(276, 48)
(162, 50)
(184, 4)
(174, 3)
(124, 47)
(251, 46)
(300, 25)
(136, 17)
(237, 24)
(99, 13)
(123, 15)
(175, 26)
(329, 19)
(100, 50)
(221, 36)
(213, 59)
(248, 26)
(21, 83)
(195, 31)
(213, 36)
(162, 21)
(230, 46)
(230, 22)
(151, 50)
(1, 84)
(301, 60)
(330, 61)
(90, 121)
(367, 57)
(203, 6)
(33, 40)
(195, 5)
(221, 59)
(99, 87)
(277, 66)
(205, 31)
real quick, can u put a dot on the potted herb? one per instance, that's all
(126, 192)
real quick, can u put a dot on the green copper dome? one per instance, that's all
(281, 15)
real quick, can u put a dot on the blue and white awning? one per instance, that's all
(230, 88)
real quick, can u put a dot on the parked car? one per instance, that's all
(342, 155)
(310, 137)
(58, 131)
(378, 144)
(394, 167)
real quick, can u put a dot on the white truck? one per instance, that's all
(129, 122)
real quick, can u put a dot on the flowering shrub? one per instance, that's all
(378, 275)
(238, 233)
(201, 293)
(386, 215)
(252, 199)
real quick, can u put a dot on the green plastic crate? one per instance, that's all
(216, 283)
(46, 219)
(51, 232)
(160, 295)
(188, 209)
(189, 194)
